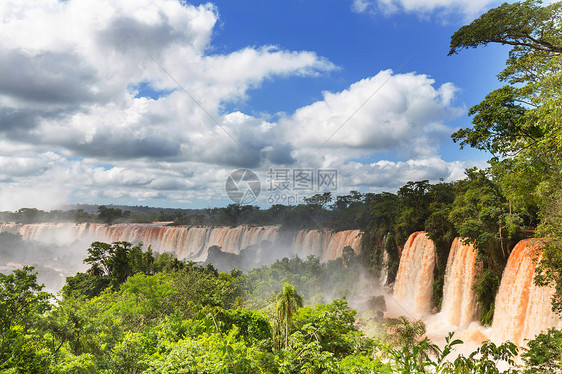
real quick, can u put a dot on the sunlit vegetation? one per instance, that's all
(162, 315)
(134, 311)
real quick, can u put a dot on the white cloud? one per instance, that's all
(468, 9)
(71, 126)
(382, 113)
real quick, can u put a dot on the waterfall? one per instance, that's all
(459, 300)
(414, 281)
(189, 242)
(522, 310)
(326, 244)
(383, 278)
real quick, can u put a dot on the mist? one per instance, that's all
(52, 261)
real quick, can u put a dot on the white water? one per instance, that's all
(522, 309)
(190, 242)
(414, 280)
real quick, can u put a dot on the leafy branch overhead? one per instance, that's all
(524, 24)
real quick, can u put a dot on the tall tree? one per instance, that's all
(288, 302)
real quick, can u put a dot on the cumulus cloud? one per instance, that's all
(67, 78)
(74, 125)
(382, 113)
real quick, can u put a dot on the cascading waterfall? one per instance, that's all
(383, 278)
(459, 299)
(522, 309)
(414, 280)
(325, 244)
(190, 242)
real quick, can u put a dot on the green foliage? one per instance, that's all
(543, 354)
(145, 327)
(109, 215)
(524, 24)
(487, 359)
(402, 332)
(479, 213)
(288, 301)
(521, 123)
(141, 301)
(206, 354)
(486, 286)
(314, 280)
(549, 272)
(363, 364)
(252, 326)
(71, 364)
(205, 286)
(422, 356)
(21, 299)
(332, 326)
(414, 209)
(112, 264)
(22, 303)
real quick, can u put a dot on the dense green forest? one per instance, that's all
(135, 312)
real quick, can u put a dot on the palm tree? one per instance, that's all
(288, 302)
(403, 332)
(409, 336)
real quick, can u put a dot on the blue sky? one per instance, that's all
(91, 108)
(360, 45)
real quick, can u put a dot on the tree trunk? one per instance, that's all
(287, 327)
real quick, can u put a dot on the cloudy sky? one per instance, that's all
(156, 102)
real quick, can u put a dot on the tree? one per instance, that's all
(524, 25)
(21, 299)
(478, 214)
(488, 358)
(403, 332)
(118, 260)
(111, 265)
(288, 302)
(521, 123)
(414, 208)
(377, 222)
(22, 303)
(332, 325)
(109, 215)
(543, 354)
